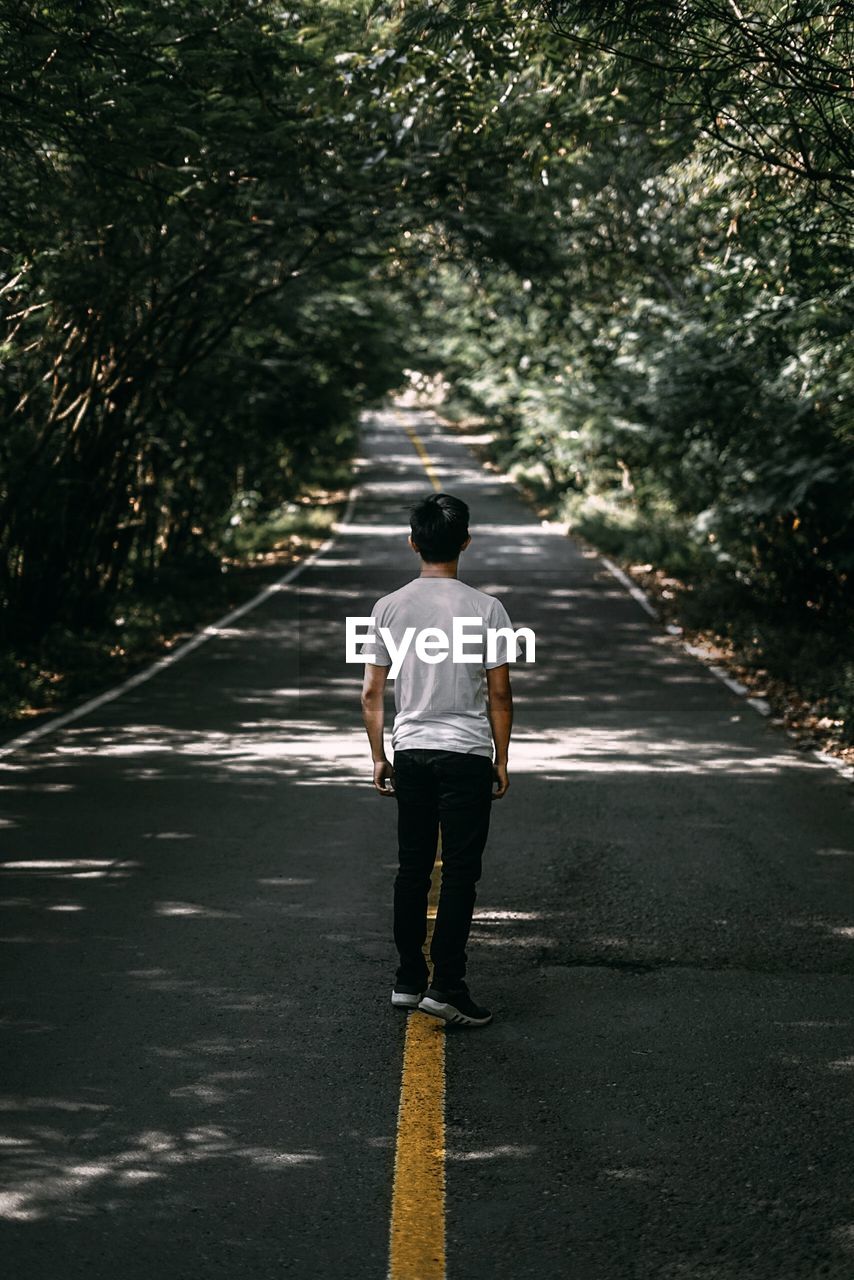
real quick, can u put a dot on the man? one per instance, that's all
(450, 740)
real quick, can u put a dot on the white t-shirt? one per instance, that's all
(442, 705)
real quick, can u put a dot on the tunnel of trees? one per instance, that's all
(621, 231)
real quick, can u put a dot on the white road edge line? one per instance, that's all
(736, 686)
(633, 589)
(205, 634)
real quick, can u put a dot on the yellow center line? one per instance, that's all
(418, 444)
(417, 1236)
(417, 1232)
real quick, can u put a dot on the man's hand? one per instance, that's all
(373, 688)
(499, 772)
(500, 711)
(384, 777)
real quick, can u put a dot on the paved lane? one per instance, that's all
(200, 1071)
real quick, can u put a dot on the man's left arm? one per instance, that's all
(373, 715)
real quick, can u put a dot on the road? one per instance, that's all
(201, 1072)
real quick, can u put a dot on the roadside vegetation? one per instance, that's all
(621, 232)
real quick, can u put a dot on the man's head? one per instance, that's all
(440, 528)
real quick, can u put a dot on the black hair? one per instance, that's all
(440, 526)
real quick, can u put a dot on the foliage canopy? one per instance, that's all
(622, 231)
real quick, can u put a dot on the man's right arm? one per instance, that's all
(500, 711)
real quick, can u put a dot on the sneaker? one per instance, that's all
(406, 996)
(455, 1006)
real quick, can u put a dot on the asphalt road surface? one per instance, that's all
(201, 1071)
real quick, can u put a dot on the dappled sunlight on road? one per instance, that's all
(52, 1182)
(198, 880)
(208, 1100)
(289, 747)
(192, 909)
(553, 755)
(72, 868)
(507, 1151)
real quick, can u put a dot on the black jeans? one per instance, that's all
(451, 790)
